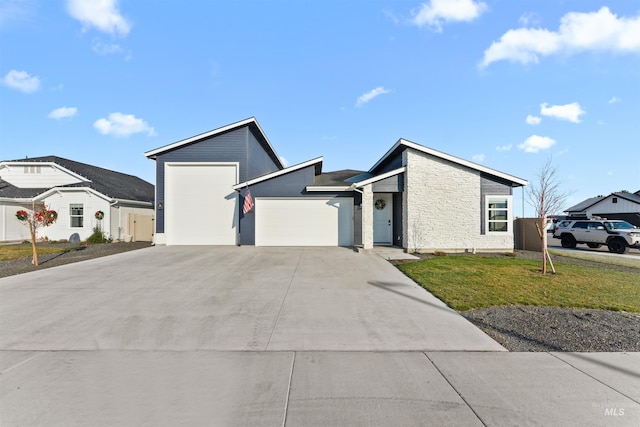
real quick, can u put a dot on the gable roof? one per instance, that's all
(251, 122)
(115, 185)
(592, 201)
(632, 197)
(403, 144)
(585, 204)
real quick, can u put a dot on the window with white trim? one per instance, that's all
(498, 214)
(76, 214)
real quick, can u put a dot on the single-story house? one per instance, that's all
(413, 197)
(76, 191)
(621, 205)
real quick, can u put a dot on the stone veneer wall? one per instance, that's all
(367, 216)
(442, 203)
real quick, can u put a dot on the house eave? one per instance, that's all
(379, 177)
(328, 188)
(152, 154)
(317, 161)
(516, 182)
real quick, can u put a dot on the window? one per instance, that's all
(76, 213)
(614, 200)
(498, 214)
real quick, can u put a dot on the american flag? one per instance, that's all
(248, 202)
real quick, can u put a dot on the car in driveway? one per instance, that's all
(617, 235)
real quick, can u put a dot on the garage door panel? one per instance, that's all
(304, 222)
(201, 208)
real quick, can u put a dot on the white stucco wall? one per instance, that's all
(367, 216)
(37, 175)
(607, 206)
(12, 229)
(442, 208)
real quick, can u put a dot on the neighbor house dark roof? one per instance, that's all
(585, 204)
(115, 185)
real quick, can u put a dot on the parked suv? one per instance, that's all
(617, 235)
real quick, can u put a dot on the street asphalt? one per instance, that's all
(225, 336)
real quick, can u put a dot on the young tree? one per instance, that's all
(546, 197)
(40, 216)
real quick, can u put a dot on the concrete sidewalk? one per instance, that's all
(198, 388)
(276, 336)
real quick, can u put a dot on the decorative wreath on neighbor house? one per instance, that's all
(380, 204)
(99, 215)
(53, 214)
(22, 215)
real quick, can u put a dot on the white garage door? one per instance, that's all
(304, 222)
(200, 206)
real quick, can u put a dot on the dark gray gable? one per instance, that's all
(238, 145)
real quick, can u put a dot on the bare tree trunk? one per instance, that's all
(543, 238)
(33, 245)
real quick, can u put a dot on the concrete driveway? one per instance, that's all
(274, 336)
(229, 298)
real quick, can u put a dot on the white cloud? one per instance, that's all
(533, 120)
(62, 112)
(530, 18)
(536, 143)
(595, 31)
(16, 10)
(614, 100)
(478, 158)
(436, 12)
(106, 48)
(570, 112)
(370, 95)
(504, 147)
(123, 125)
(103, 15)
(22, 81)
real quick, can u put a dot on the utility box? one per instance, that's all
(526, 235)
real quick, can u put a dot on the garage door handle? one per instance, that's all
(389, 222)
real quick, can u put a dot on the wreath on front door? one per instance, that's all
(380, 204)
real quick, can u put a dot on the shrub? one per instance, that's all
(97, 236)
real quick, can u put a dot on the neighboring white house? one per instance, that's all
(76, 191)
(621, 205)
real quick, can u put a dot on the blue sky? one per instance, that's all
(504, 83)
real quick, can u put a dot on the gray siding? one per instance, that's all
(393, 184)
(258, 160)
(239, 145)
(491, 186)
(289, 185)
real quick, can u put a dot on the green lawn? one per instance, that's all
(10, 252)
(465, 283)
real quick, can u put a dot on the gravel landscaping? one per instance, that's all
(74, 253)
(516, 328)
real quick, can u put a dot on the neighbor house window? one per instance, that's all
(76, 212)
(498, 210)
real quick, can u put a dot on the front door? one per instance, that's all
(382, 218)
